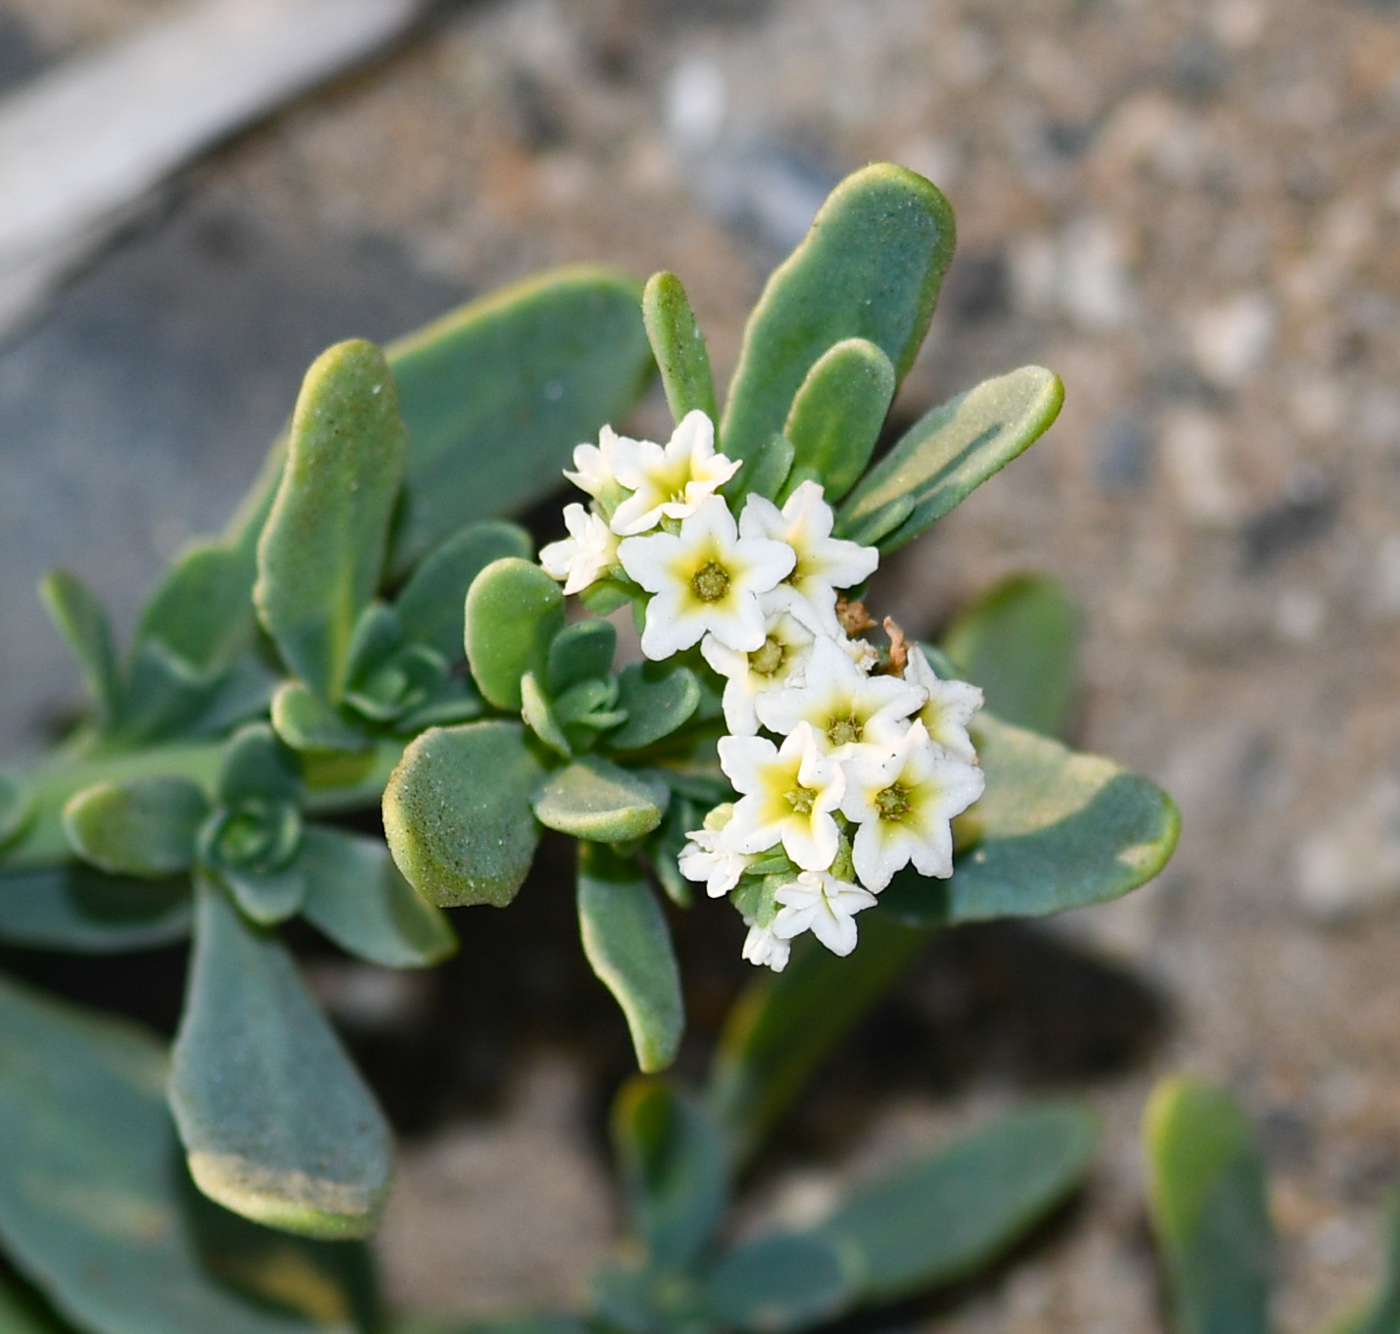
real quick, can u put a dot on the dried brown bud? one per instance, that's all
(853, 617)
(899, 648)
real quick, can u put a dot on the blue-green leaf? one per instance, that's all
(144, 827)
(948, 453)
(277, 1123)
(1019, 641)
(778, 1283)
(201, 614)
(356, 896)
(306, 722)
(1209, 1207)
(16, 807)
(95, 1210)
(80, 619)
(580, 652)
(76, 908)
(656, 699)
(628, 945)
(599, 801)
(322, 550)
(513, 611)
(679, 347)
(258, 767)
(1054, 830)
(870, 267)
(945, 1215)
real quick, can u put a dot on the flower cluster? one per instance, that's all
(849, 764)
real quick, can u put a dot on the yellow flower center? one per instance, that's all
(801, 799)
(769, 658)
(893, 802)
(844, 731)
(710, 582)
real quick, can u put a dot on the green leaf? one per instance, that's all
(201, 614)
(786, 1023)
(258, 767)
(79, 618)
(81, 910)
(580, 652)
(356, 896)
(837, 415)
(16, 807)
(947, 1214)
(322, 549)
(306, 722)
(1382, 1314)
(23, 1313)
(601, 802)
(1208, 1201)
(870, 267)
(430, 605)
(1054, 830)
(96, 1210)
(145, 827)
(948, 453)
(765, 471)
(539, 717)
(679, 347)
(168, 697)
(778, 1283)
(673, 1171)
(277, 1123)
(514, 610)
(457, 813)
(657, 701)
(628, 945)
(1019, 641)
(497, 394)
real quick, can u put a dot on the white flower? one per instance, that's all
(863, 653)
(845, 707)
(585, 555)
(820, 903)
(824, 563)
(708, 857)
(903, 804)
(669, 482)
(707, 578)
(762, 946)
(595, 466)
(949, 707)
(788, 797)
(778, 661)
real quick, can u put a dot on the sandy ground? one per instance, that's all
(1189, 210)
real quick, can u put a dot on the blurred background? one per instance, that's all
(1190, 209)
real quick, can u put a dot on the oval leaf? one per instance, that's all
(514, 610)
(306, 722)
(944, 1216)
(322, 550)
(598, 801)
(258, 767)
(1054, 830)
(457, 813)
(679, 347)
(656, 701)
(80, 619)
(355, 895)
(778, 1283)
(837, 415)
(92, 1212)
(628, 945)
(79, 909)
(948, 453)
(430, 603)
(144, 827)
(1208, 1201)
(277, 1123)
(580, 652)
(870, 267)
(201, 614)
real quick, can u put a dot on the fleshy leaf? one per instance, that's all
(84, 911)
(945, 1215)
(16, 807)
(1208, 1201)
(430, 604)
(601, 802)
(306, 722)
(673, 1169)
(778, 1283)
(765, 471)
(144, 827)
(628, 945)
(679, 347)
(263, 896)
(497, 394)
(539, 717)
(356, 896)
(580, 652)
(95, 1210)
(457, 813)
(837, 415)
(870, 267)
(1054, 830)
(514, 610)
(949, 452)
(786, 1023)
(322, 550)
(202, 612)
(657, 700)
(80, 619)
(1019, 641)
(277, 1123)
(258, 767)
